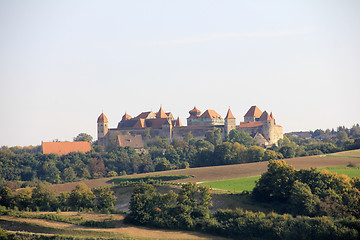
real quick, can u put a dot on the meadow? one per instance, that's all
(248, 183)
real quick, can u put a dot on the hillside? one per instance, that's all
(231, 171)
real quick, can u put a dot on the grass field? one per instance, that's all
(248, 183)
(234, 185)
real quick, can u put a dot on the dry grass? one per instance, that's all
(121, 231)
(350, 154)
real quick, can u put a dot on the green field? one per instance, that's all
(351, 172)
(234, 185)
(248, 183)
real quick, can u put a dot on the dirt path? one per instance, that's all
(225, 172)
(122, 231)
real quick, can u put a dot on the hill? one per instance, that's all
(231, 171)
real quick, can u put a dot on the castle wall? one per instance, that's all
(196, 131)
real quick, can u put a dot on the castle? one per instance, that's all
(260, 125)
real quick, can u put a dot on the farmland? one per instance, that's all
(248, 183)
(216, 173)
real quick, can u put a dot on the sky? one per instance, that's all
(63, 63)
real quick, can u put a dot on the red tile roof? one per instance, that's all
(63, 148)
(229, 115)
(210, 114)
(264, 117)
(157, 123)
(271, 116)
(161, 114)
(126, 117)
(194, 111)
(130, 141)
(250, 124)
(145, 115)
(102, 118)
(254, 111)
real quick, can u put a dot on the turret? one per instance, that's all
(194, 113)
(102, 126)
(229, 122)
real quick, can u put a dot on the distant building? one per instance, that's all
(305, 135)
(135, 142)
(148, 125)
(63, 148)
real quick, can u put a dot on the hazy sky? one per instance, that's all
(64, 62)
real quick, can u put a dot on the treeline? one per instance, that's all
(189, 210)
(27, 166)
(42, 198)
(308, 191)
(321, 142)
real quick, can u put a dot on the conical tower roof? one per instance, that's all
(229, 115)
(102, 118)
(161, 114)
(178, 122)
(194, 111)
(126, 117)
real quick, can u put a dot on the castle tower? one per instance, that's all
(229, 123)
(252, 115)
(268, 127)
(102, 126)
(194, 113)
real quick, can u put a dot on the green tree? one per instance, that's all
(43, 198)
(275, 184)
(83, 137)
(255, 154)
(302, 201)
(68, 175)
(105, 198)
(240, 137)
(6, 197)
(214, 136)
(287, 151)
(81, 197)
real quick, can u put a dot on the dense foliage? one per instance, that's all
(44, 199)
(170, 210)
(190, 210)
(309, 192)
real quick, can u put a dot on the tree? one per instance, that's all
(43, 198)
(83, 137)
(255, 154)
(275, 184)
(68, 175)
(214, 136)
(81, 197)
(240, 137)
(105, 199)
(6, 197)
(302, 200)
(287, 151)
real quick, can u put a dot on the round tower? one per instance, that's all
(102, 126)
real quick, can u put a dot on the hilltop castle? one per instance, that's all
(260, 125)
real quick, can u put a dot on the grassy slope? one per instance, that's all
(122, 231)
